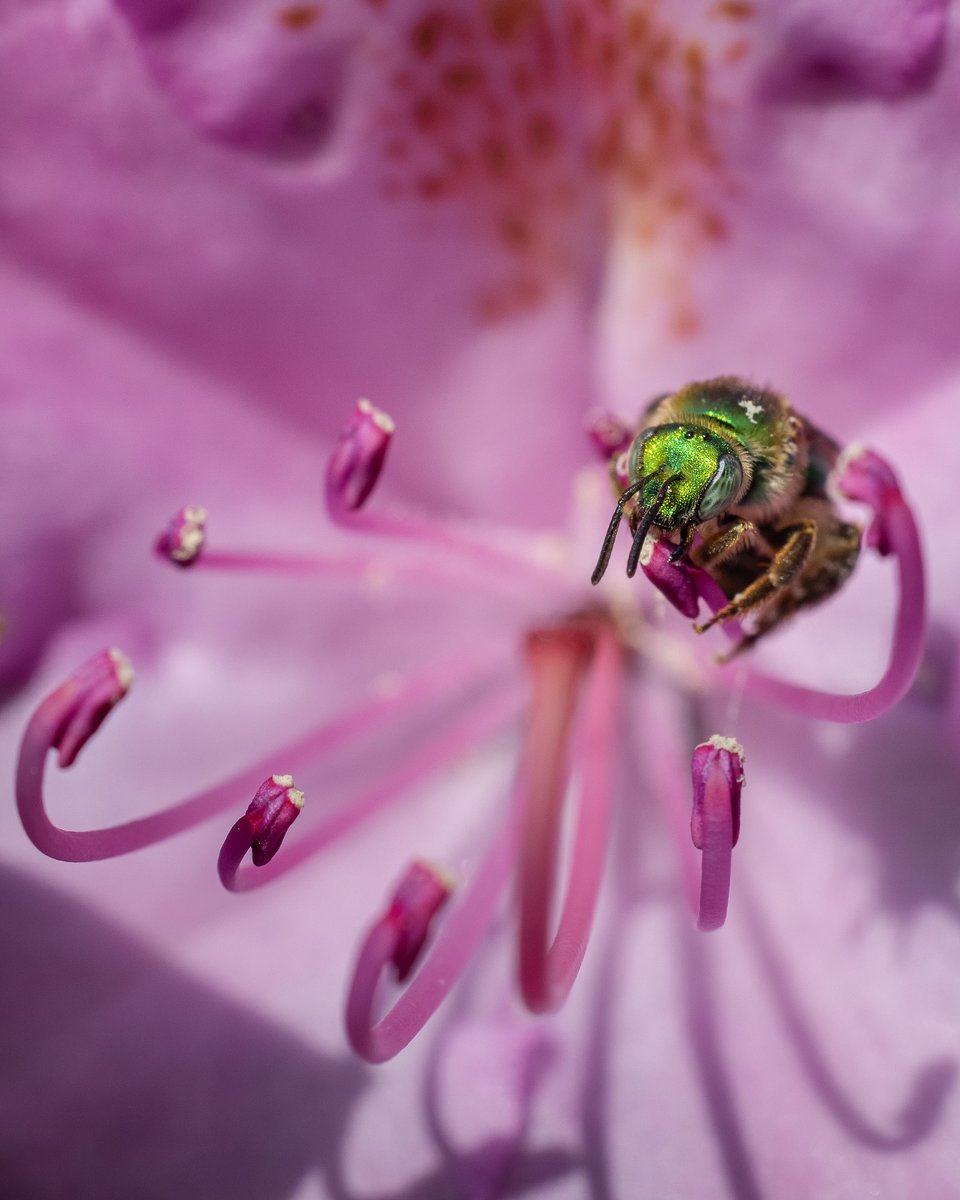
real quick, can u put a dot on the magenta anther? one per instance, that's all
(358, 458)
(717, 770)
(182, 541)
(262, 827)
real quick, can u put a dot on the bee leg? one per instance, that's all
(723, 543)
(686, 537)
(786, 564)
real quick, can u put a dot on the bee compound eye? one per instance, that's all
(722, 488)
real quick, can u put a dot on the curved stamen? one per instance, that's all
(477, 726)
(72, 712)
(717, 769)
(443, 966)
(262, 827)
(352, 473)
(864, 476)
(547, 972)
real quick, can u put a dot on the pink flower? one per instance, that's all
(221, 223)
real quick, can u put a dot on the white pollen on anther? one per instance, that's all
(646, 552)
(752, 409)
(383, 420)
(284, 781)
(719, 742)
(122, 667)
(848, 455)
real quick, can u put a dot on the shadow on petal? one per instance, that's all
(124, 1078)
(269, 82)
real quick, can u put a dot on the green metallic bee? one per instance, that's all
(737, 465)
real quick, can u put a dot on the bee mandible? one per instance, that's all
(734, 464)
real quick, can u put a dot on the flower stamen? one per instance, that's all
(717, 770)
(183, 539)
(444, 964)
(484, 721)
(864, 476)
(357, 460)
(67, 717)
(262, 828)
(352, 473)
(373, 572)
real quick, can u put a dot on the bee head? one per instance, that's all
(688, 474)
(682, 474)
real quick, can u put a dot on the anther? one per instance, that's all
(272, 811)
(85, 699)
(419, 896)
(717, 770)
(262, 827)
(673, 579)
(183, 539)
(863, 476)
(607, 432)
(357, 460)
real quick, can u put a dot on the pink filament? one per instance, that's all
(96, 844)
(716, 849)
(479, 553)
(547, 972)
(426, 572)
(480, 723)
(456, 942)
(906, 649)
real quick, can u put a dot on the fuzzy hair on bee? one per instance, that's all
(737, 479)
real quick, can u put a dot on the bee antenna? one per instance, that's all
(644, 527)
(607, 548)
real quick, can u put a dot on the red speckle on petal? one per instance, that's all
(432, 187)
(510, 19)
(426, 33)
(462, 77)
(299, 16)
(543, 136)
(540, 121)
(517, 231)
(428, 112)
(733, 10)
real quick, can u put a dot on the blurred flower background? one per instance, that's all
(221, 221)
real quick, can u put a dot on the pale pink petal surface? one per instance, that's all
(221, 224)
